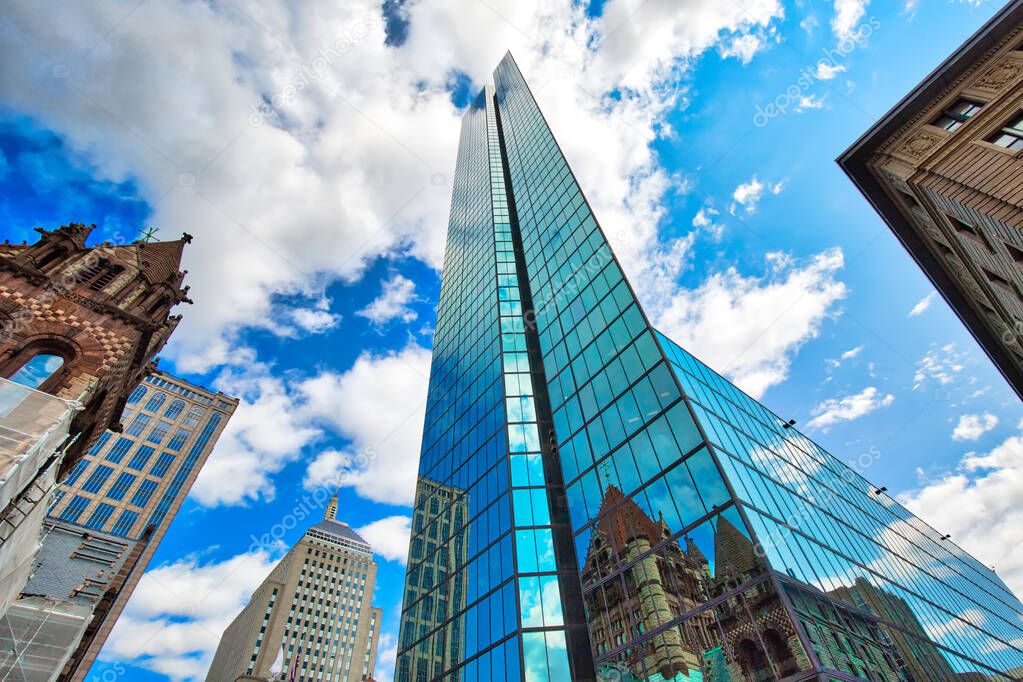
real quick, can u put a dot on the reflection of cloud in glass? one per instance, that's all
(540, 600)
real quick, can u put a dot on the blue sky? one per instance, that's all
(319, 233)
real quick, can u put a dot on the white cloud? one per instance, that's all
(266, 432)
(834, 363)
(744, 47)
(704, 218)
(986, 518)
(389, 537)
(848, 408)
(748, 194)
(352, 161)
(809, 23)
(942, 365)
(973, 426)
(848, 14)
(809, 103)
(178, 612)
(393, 303)
(852, 353)
(750, 327)
(826, 70)
(378, 404)
(387, 655)
(923, 304)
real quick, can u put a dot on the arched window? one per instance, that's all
(136, 395)
(780, 653)
(41, 364)
(175, 409)
(37, 370)
(159, 303)
(155, 402)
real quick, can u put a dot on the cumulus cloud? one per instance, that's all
(973, 426)
(266, 432)
(848, 14)
(396, 294)
(748, 194)
(744, 47)
(850, 407)
(986, 518)
(389, 537)
(178, 612)
(300, 146)
(376, 406)
(379, 405)
(749, 328)
(923, 304)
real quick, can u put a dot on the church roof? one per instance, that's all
(160, 261)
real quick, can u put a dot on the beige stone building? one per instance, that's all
(945, 170)
(315, 607)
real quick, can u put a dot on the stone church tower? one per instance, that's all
(84, 323)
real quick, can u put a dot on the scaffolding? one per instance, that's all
(33, 428)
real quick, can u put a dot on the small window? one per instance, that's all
(969, 232)
(1011, 136)
(956, 115)
(1015, 252)
(38, 369)
(1001, 283)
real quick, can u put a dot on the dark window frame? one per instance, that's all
(1013, 128)
(956, 118)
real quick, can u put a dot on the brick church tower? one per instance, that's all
(84, 323)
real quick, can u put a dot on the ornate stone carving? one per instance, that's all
(918, 145)
(999, 75)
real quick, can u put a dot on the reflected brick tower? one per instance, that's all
(629, 514)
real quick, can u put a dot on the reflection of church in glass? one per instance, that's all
(634, 516)
(640, 580)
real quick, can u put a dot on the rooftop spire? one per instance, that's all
(331, 514)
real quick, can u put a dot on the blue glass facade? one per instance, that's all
(595, 503)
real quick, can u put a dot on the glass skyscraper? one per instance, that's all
(597, 504)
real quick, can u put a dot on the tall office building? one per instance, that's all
(943, 169)
(106, 521)
(316, 606)
(628, 513)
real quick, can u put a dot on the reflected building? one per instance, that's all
(629, 514)
(440, 512)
